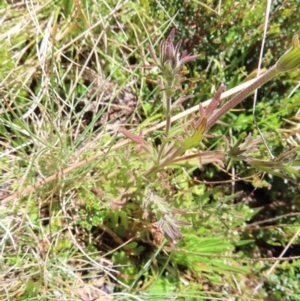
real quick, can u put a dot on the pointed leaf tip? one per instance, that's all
(195, 139)
(291, 59)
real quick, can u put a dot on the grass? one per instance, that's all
(66, 172)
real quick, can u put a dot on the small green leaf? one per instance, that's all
(291, 59)
(195, 139)
(131, 245)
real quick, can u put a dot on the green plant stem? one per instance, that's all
(164, 162)
(152, 170)
(168, 112)
(168, 94)
(272, 72)
(161, 150)
(168, 124)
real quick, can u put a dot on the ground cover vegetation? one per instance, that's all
(133, 165)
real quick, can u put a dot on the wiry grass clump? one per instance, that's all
(85, 214)
(54, 55)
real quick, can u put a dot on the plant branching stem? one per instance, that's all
(164, 162)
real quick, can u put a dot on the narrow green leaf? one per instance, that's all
(195, 139)
(291, 59)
